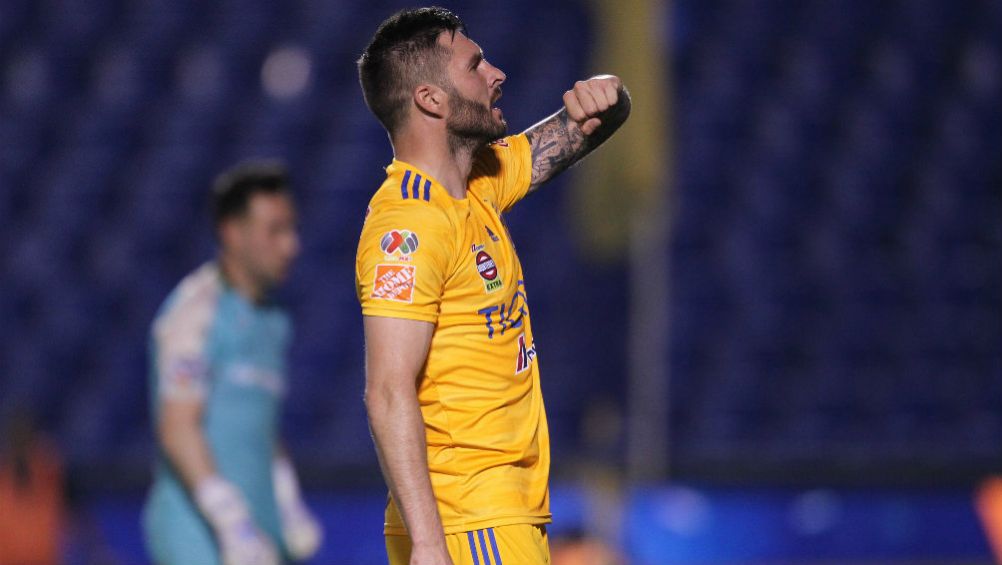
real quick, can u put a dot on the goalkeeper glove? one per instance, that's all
(240, 541)
(301, 530)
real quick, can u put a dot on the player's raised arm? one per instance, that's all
(396, 350)
(593, 110)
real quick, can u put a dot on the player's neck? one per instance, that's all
(433, 154)
(240, 280)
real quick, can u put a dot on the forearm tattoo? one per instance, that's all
(558, 143)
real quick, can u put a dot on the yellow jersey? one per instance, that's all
(424, 255)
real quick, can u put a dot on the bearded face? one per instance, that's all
(472, 122)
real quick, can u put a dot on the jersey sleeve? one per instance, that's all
(505, 167)
(403, 260)
(180, 338)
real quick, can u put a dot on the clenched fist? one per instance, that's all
(590, 98)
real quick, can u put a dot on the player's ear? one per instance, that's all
(228, 232)
(431, 100)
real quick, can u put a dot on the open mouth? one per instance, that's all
(494, 99)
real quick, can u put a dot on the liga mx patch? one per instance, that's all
(399, 242)
(488, 271)
(394, 283)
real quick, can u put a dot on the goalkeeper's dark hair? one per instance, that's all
(233, 189)
(403, 53)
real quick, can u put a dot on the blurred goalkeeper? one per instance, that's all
(225, 491)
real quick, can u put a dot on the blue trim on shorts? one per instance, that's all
(494, 546)
(483, 547)
(473, 548)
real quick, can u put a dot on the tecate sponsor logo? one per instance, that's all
(486, 267)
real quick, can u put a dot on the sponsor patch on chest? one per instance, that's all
(488, 271)
(251, 376)
(526, 354)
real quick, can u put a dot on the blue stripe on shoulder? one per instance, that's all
(404, 183)
(416, 187)
(427, 189)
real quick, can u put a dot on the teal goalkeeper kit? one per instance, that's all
(210, 341)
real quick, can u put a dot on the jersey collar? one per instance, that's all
(414, 183)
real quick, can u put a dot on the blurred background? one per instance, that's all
(769, 311)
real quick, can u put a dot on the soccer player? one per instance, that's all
(452, 378)
(224, 491)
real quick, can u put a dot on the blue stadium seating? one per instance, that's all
(836, 245)
(114, 118)
(836, 254)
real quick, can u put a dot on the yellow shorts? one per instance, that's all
(517, 544)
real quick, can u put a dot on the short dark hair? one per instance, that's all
(403, 52)
(233, 189)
